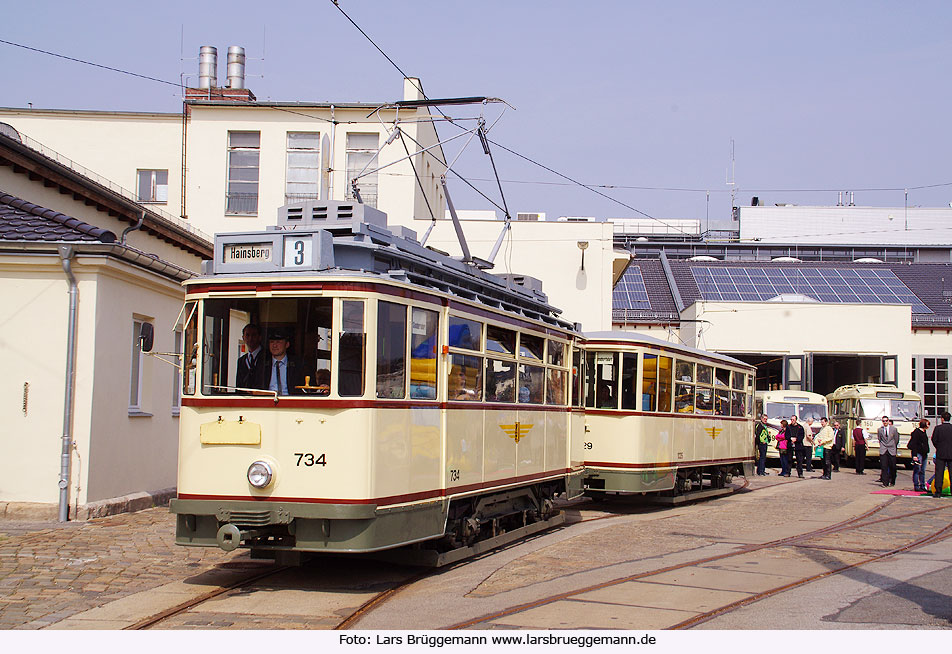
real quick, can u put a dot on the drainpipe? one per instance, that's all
(66, 255)
(131, 228)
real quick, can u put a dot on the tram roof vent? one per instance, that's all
(531, 284)
(329, 214)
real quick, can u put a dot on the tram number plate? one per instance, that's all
(308, 459)
(297, 252)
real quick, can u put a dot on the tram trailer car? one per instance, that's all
(428, 399)
(864, 405)
(662, 418)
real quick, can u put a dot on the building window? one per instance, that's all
(303, 175)
(243, 157)
(135, 368)
(153, 186)
(935, 385)
(362, 156)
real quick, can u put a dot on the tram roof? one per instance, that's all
(333, 238)
(634, 338)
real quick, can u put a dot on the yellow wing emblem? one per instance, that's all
(517, 431)
(714, 431)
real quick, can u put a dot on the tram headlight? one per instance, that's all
(260, 474)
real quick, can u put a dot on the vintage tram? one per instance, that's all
(424, 399)
(662, 417)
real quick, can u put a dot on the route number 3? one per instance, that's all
(307, 459)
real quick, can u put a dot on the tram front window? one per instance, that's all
(875, 409)
(778, 410)
(231, 367)
(815, 411)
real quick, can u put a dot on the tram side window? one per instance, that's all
(466, 381)
(391, 350)
(606, 380)
(722, 377)
(531, 384)
(500, 340)
(738, 403)
(465, 334)
(684, 398)
(423, 348)
(684, 371)
(190, 353)
(555, 387)
(352, 342)
(629, 381)
(589, 380)
(500, 380)
(531, 347)
(705, 374)
(649, 383)
(664, 384)
(722, 402)
(577, 378)
(556, 354)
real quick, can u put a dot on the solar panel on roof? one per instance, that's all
(829, 285)
(630, 291)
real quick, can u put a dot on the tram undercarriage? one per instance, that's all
(676, 482)
(424, 533)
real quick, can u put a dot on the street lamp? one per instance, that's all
(582, 245)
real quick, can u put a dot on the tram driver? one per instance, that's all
(284, 372)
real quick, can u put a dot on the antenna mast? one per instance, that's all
(731, 181)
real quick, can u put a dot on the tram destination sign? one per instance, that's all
(247, 252)
(274, 251)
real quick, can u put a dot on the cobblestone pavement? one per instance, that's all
(50, 571)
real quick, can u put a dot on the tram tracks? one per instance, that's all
(862, 520)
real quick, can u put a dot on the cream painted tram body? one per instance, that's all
(864, 405)
(661, 417)
(437, 404)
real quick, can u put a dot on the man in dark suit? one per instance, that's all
(796, 434)
(888, 450)
(283, 372)
(839, 444)
(942, 439)
(251, 363)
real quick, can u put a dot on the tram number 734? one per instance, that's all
(308, 459)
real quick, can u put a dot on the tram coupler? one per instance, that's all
(229, 536)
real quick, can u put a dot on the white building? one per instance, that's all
(73, 372)
(913, 226)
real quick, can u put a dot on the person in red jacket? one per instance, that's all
(859, 449)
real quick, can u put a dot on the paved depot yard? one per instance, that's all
(113, 572)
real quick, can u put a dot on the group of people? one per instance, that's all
(275, 369)
(796, 442)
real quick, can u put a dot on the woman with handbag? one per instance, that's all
(783, 447)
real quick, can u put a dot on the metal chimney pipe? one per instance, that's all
(207, 67)
(236, 67)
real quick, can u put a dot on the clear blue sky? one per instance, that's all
(815, 95)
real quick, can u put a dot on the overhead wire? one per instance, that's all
(89, 63)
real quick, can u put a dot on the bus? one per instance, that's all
(864, 405)
(780, 405)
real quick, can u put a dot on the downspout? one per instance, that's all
(132, 228)
(66, 255)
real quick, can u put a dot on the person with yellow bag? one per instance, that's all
(824, 441)
(942, 439)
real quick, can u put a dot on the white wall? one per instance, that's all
(796, 328)
(547, 251)
(852, 225)
(111, 144)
